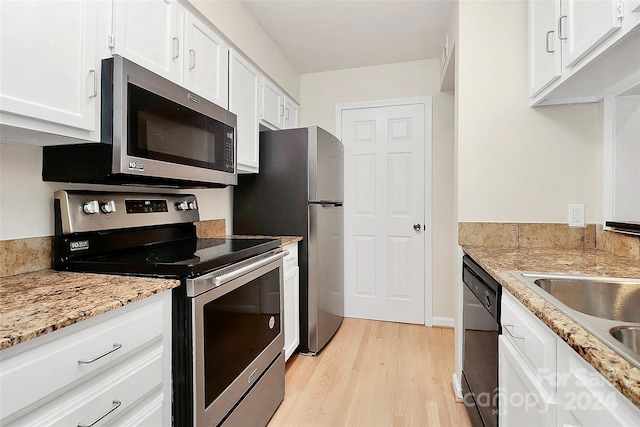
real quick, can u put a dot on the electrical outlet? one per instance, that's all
(576, 215)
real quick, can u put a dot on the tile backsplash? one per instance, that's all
(548, 235)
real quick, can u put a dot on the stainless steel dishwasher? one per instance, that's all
(481, 320)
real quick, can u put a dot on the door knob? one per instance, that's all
(417, 227)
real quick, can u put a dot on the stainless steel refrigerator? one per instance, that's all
(299, 192)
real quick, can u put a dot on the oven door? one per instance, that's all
(237, 334)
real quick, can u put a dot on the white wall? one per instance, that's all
(320, 92)
(26, 202)
(237, 24)
(516, 163)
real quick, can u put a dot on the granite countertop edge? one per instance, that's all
(500, 262)
(40, 302)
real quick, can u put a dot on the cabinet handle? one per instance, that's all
(560, 30)
(282, 110)
(116, 346)
(506, 328)
(176, 48)
(192, 59)
(286, 114)
(95, 85)
(116, 405)
(547, 42)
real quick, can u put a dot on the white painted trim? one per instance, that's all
(427, 101)
(457, 388)
(443, 321)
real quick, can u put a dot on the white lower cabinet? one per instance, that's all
(527, 362)
(291, 293)
(544, 382)
(113, 368)
(586, 398)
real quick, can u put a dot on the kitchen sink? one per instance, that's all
(627, 335)
(613, 299)
(607, 307)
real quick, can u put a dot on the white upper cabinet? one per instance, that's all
(585, 24)
(149, 33)
(290, 119)
(244, 102)
(206, 62)
(277, 110)
(50, 69)
(272, 104)
(545, 59)
(163, 37)
(581, 51)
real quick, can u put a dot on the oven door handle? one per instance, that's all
(224, 278)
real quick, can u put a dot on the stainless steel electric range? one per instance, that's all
(227, 355)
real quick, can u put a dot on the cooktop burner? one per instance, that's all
(185, 258)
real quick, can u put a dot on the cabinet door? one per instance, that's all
(147, 32)
(49, 68)
(244, 86)
(272, 107)
(545, 59)
(586, 398)
(290, 119)
(523, 399)
(206, 62)
(291, 312)
(584, 25)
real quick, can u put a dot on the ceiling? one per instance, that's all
(324, 35)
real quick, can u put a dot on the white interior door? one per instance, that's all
(385, 215)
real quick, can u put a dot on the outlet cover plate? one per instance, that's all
(576, 215)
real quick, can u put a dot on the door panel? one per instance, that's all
(384, 198)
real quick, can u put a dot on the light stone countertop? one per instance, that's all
(501, 261)
(33, 304)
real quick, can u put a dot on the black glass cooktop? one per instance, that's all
(186, 258)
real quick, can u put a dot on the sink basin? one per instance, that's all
(605, 298)
(627, 335)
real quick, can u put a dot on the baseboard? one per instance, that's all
(457, 388)
(443, 321)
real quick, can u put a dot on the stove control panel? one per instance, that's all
(82, 211)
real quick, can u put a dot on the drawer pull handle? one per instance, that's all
(506, 328)
(100, 356)
(116, 405)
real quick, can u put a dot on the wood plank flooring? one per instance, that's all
(374, 374)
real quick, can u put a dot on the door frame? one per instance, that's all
(427, 101)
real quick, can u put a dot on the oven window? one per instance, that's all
(237, 328)
(160, 129)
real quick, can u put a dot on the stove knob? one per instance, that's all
(182, 206)
(192, 206)
(91, 207)
(108, 207)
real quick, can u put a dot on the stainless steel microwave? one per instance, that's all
(153, 132)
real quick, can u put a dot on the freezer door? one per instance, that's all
(326, 166)
(326, 273)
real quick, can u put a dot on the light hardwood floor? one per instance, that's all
(374, 374)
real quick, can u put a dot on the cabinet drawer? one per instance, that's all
(530, 337)
(79, 355)
(104, 397)
(291, 260)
